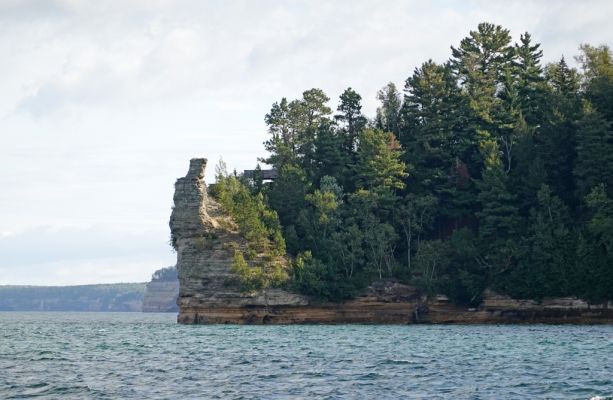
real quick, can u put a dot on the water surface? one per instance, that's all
(137, 356)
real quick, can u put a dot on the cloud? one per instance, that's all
(78, 255)
(136, 53)
(26, 11)
(83, 272)
(84, 88)
(103, 103)
(47, 244)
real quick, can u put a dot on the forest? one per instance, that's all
(489, 171)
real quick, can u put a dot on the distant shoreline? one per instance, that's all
(106, 297)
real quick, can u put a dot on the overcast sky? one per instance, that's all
(103, 103)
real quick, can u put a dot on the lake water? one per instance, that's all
(148, 356)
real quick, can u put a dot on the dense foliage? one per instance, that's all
(259, 262)
(489, 171)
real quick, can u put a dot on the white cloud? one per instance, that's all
(84, 271)
(47, 255)
(103, 103)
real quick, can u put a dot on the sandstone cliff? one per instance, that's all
(161, 292)
(204, 239)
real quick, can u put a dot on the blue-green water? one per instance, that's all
(149, 356)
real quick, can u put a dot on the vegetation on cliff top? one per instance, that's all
(490, 170)
(260, 226)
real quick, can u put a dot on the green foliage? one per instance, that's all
(595, 247)
(312, 277)
(388, 114)
(492, 171)
(547, 264)
(257, 223)
(270, 274)
(594, 163)
(261, 228)
(597, 63)
(351, 119)
(379, 161)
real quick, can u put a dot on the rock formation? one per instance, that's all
(201, 235)
(205, 238)
(161, 292)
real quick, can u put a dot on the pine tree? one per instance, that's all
(350, 118)
(428, 125)
(282, 143)
(388, 114)
(594, 164)
(328, 157)
(531, 88)
(498, 215)
(557, 139)
(436, 140)
(595, 248)
(551, 249)
(379, 165)
(498, 219)
(480, 63)
(597, 63)
(286, 195)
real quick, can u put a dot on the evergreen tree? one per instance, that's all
(312, 111)
(388, 114)
(531, 87)
(597, 64)
(350, 118)
(328, 157)
(511, 170)
(557, 140)
(282, 143)
(429, 123)
(379, 165)
(498, 219)
(480, 63)
(546, 269)
(594, 164)
(595, 248)
(286, 197)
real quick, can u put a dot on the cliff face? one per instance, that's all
(205, 239)
(161, 296)
(162, 291)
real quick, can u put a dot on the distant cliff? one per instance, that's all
(161, 293)
(206, 240)
(106, 297)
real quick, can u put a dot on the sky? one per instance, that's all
(103, 103)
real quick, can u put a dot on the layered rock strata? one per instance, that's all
(161, 296)
(205, 240)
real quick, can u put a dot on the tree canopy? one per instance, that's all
(489, 170)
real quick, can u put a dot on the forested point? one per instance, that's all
(490, 170)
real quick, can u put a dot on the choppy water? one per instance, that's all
(148, 356)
